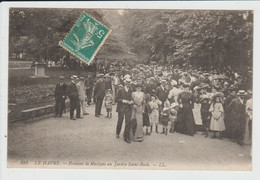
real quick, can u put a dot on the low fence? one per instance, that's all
(38, 112)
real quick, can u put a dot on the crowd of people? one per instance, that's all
(178, 99)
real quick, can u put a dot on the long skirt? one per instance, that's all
(197, 114)
(136, 132)
(247, 135)
(217, 125)
(185, 123)
(146, 120)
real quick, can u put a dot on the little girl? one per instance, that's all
(108, 103)
(165, 116)
(154, 115)
(217, 118)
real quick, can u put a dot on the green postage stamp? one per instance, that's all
(85, 38)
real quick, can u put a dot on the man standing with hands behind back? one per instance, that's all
(99, 94)
(72, 92)
(124, 109)
(60, 97)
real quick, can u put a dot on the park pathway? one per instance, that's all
(92, 140)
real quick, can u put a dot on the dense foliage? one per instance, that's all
(197, 37)
(209, 38)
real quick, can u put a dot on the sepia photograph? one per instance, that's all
(131, 89)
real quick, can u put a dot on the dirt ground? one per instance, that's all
(91, 143)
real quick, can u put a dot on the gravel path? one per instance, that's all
(91, 143)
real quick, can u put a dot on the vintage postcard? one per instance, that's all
(130, 88)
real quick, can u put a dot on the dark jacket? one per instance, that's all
(161, 94)
(72, 90)
(99, 89)
(150, 88)
(60, 91)
(237, 111)
(123, 95)
(108, 84)
(89, 83)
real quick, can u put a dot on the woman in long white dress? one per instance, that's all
(138, 97)
(197, 106)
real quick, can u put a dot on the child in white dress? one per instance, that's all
(154, 115)
(217, 119)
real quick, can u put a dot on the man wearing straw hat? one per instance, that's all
(72, 92)
(237, 109)
(161, 92)
(124, 109)
(82, 96)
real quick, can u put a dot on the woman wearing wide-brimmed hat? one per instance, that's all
(186, 123)
(137, 115)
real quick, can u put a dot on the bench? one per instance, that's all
(37, 112)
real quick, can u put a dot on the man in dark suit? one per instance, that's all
(99, 94)
(60, 96)
(107, 80)
(232, 91)
(124, 109)
(162, 92)
(237, 109)
(72, 92)
(150, 86)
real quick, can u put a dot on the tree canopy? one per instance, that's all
(210, 38)
(197, 37)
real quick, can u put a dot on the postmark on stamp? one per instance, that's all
(85, 38)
